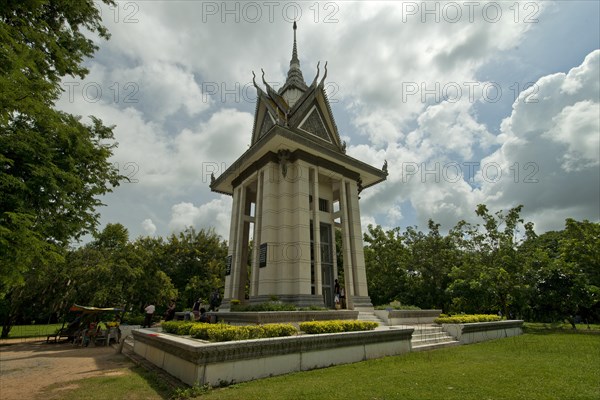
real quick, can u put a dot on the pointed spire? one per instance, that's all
(295, 77)
(295, 49)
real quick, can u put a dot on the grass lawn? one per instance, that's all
(559, 327)
(549, 365)
(134, 383)
(532, 366)
(25, 331)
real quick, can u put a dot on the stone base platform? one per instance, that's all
(198, 362)
(408, 317)
(483, 331)
(273, 317)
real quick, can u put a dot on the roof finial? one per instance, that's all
(295, 77)
(295, 59)
(317, 76)
(324, 76)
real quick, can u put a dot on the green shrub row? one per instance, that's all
(223, 332)
(466, 319)
(177, 327)
(335, 326)
(396, 305)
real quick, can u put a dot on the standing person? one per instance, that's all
(170, 313)
(215, 300)
(149, 314)
(336, 291)
(196, 309)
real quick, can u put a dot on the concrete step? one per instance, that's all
(430, 337)
(433, 346)
(369, 316)
(433, 337)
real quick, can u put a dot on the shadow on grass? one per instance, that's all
(154, 381)
(553, 328)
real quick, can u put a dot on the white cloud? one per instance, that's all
(550, 151)
(215, 213)
(148, 227)
(164, 87)
(578, 127)
(388, 70)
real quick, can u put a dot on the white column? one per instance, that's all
(228, 293)
(357, 239)
(238, 250)
(316, 232)
(257, 233)
(346, 245)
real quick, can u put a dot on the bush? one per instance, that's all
(134, 319)
(184, 328)
(396, 305)
(278, 330)
(169, 326)
(315, 327)
(200, 330)
(466, 319)
(224, 333)
(179, 327)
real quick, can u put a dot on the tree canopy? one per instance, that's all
(497, 266)
(53, 167)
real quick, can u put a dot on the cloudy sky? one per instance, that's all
(475, 102)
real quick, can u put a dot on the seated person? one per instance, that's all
(203, 316)
(90, 333)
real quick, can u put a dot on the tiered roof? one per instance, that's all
(298, 117)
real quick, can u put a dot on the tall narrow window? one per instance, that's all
(323, 205)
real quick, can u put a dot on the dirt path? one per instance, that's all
(27, 368)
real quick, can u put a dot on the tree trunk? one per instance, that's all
(6, 327)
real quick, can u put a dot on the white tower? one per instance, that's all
(294, 187)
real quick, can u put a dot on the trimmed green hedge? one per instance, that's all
(336, 326)
(224, 333)
(466, 319)
(396, 305)
(177, 327)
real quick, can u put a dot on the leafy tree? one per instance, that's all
(195, 263)
(112, 271)
(431, 257)
(490, 276)
(153, 284)
(53, 167)
(581, 245)
(564, 273)
(385, 259)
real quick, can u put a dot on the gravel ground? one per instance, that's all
(28, 367)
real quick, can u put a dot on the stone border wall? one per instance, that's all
(483, 331)
(271, 317)
(196, 361)
(408, 317)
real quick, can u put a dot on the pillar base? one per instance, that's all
(362, 303)
(298, 300)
